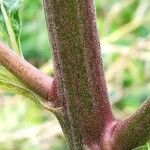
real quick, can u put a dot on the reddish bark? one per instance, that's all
(79, 88)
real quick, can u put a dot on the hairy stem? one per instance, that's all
(79, 71)
(31, 76)
(134, 131)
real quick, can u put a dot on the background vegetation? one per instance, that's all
(125, 41)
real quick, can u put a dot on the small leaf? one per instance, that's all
(10, 83)
(10, 22)
(12, 5)
(141, 148)
(148, 146)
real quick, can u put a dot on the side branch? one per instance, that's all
(37, 81)
(134, 131)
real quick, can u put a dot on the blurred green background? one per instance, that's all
(124, 29)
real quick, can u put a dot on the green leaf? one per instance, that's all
(145, 147)
(9, 82)
(10, 22)
(12, 5)
(148, 146)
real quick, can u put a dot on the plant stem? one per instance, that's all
(79, 71)
(31, 76)
(134, 131)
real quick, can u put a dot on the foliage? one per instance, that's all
(12, 23)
